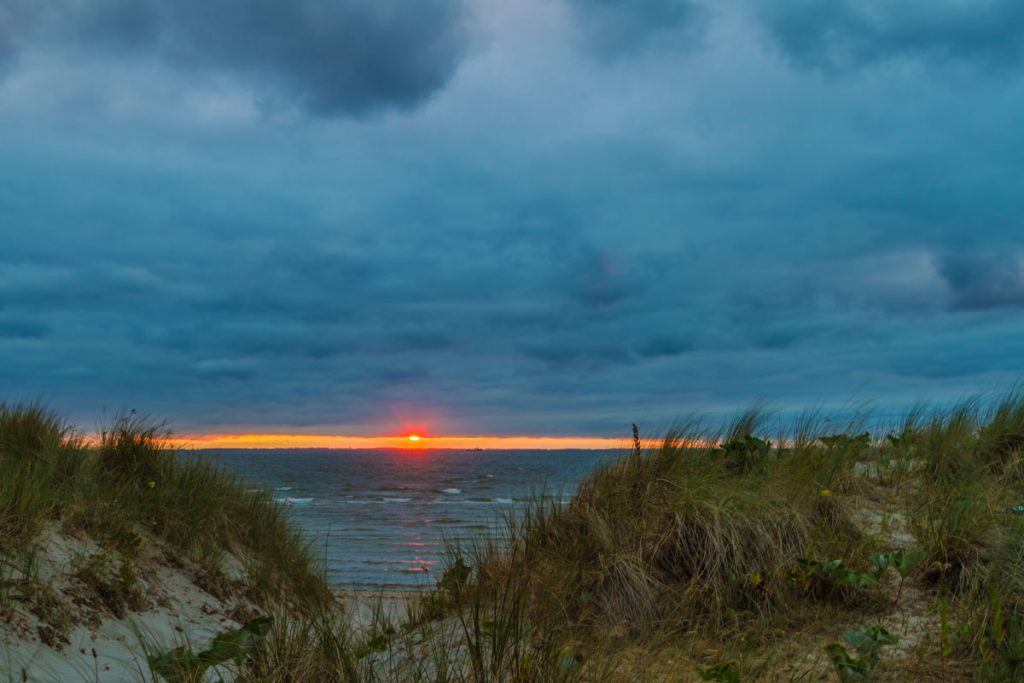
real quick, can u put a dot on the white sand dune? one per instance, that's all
(69, 631)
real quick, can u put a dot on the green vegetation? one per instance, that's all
(754, 551)
(134, 507)
(725, 556)
(181, 665)
(867, 645)
(130, 486)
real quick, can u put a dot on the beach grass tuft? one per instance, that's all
(131, 484)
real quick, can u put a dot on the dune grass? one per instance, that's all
(734, 547)
(704, 534)
(758, 552)
(131, 485)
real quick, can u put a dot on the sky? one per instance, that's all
(541, 217)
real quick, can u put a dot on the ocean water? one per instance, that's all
(380, 518)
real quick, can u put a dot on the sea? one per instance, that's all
(381, 519)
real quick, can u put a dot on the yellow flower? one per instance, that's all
(824, 493)
(151, 484)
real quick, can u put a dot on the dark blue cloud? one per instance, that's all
(846, 34)
(982, 280)
(327, 57)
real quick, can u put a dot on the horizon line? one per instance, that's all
(407, 442)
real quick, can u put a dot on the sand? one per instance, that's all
(364, 605)
(40, 645)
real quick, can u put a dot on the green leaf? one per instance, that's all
(832, 566)
(860, 641)
(238, 644)
(880, 563)
(234, 645)
(847, 668)
(851, 578)
(869, 641)
(883, 637)
(906, 564)
(179, 665)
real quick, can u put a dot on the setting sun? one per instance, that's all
(414, 437)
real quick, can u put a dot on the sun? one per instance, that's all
(414, 437)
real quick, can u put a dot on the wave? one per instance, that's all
(288, 500)
(451, 491)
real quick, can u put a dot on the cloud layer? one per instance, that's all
(506, 218)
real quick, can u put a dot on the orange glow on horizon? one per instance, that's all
(410, 441)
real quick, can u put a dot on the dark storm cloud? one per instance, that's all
(329, 57)
(616, 28)
(985, 280)
(846, 34)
